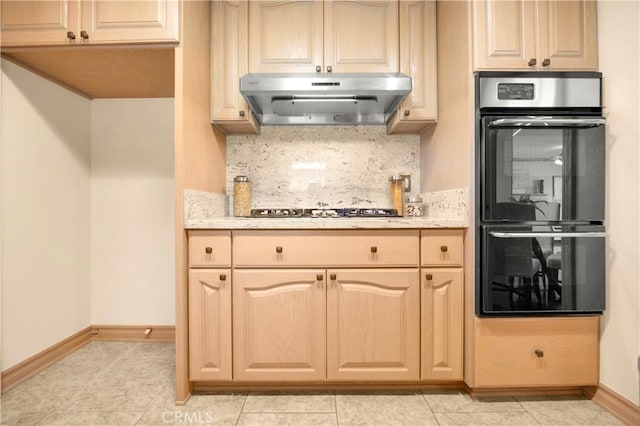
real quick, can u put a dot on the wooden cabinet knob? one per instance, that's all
(223, 277)
(539, 353)
(444, 249)
(429, 277)
(374, 249)
(84, 34)
(71, 35)
(407, 112)
(332, 277)
(208, 250)
(279, 249)
(532, 62)
(318, 68)
(241, 112)
(319, 277)
(546, 62)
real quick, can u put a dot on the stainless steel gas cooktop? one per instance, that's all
(324, 213)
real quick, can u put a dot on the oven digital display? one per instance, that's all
(508, 91)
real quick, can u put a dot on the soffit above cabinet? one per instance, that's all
(103, 72)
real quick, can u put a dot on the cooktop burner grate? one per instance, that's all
(324, 213)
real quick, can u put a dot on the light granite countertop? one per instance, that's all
(326, 223)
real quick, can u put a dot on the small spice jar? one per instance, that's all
(241, 196)
(397, 193)
(414, 207)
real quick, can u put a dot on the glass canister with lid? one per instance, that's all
(241, 196)
(414, 206)
(397, 192)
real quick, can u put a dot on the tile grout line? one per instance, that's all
(241, 409)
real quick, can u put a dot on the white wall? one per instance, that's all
(132, 212)
(45, 226)
(619, 49)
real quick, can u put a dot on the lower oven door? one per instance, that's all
(542, 270)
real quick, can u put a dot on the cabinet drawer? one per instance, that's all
(325, 248)
(537, 352)
(209, 248)
(442, 247)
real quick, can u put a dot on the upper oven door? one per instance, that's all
(542, 168)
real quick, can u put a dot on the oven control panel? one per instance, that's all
(510, 91)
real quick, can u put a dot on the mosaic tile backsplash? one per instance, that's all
(309, 166)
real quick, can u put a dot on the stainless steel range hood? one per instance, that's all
(299, 99)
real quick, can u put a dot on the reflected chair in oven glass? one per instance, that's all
(518, 264)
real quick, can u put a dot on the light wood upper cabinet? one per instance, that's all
(442, 308)
(361, 36)
(373, 324)
(39, 22)
(285, 36)
(210, 324)
(67, 22)
(418, 52)
(229, 61)
(567, 34)
(108, 21)
(279, 329)
(544, 34)
(329, 36)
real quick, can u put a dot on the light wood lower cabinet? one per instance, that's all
(373, 321)
(442, 324)
(536, 351)
(288, 327)
(279, 325)
(209, 324)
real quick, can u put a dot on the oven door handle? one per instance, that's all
(547, 122)
(547, 234)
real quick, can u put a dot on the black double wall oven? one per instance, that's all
(540, 194)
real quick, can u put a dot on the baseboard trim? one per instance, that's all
(205, 387)
(499, 392)
(17, 374)
(134, 333)
(28, 368)
(625, 410)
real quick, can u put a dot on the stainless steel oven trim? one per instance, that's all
(547, 121)
(547, 234)
(548, 92)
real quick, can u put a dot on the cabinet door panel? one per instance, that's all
(418, 52)
(442, 324)
(210, 324)
(279, 325)
(504, 34)
(38, 22)
(130, 21)
(373, 324)
(285, 36)
(361, 36)
(229, 62)
(567, 34)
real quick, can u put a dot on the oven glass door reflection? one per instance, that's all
(543, 162)
(543, 269)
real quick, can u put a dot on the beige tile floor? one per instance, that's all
(113, 383)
